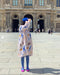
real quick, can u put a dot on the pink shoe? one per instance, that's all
(27, 70)
(22, 70)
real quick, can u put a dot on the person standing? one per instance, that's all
(25, 47)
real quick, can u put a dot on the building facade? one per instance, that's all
(45, 14)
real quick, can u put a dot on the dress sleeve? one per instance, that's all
(28, 24)
(24, 27)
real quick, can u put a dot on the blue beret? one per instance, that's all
(25, 19)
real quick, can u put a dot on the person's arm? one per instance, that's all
(26, 26)
(28, 23)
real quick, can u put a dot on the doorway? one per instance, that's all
(41, 25)
(15, 25)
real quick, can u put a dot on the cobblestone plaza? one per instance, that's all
(45, 59)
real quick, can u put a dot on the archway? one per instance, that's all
(31, 17)
(15, 24)
(41, 23)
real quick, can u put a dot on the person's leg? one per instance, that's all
(22, 63)
(27, 62)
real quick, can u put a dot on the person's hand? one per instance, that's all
(29, 20)
(26, 22)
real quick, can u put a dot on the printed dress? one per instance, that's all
(25, 41)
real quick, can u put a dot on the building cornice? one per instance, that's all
(28, 9)
(25, 8)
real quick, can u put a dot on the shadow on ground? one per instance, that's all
(45, 71)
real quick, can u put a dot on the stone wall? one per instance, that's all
(7, 10)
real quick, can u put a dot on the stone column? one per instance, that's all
(35, 3)
(21, 3)
(38, 3)
(52, 20)
(11, 17)
(54, 28)
(21, 16)
(10, 3)
(34, 21)
(48, 2)
(7, 1)
(45, 2)
(47, 22)
(3, 3)
(52, 4)
(0, 3)
(8, 20)
(0, 22)
(52, 14)
(3, 21)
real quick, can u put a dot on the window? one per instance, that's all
(41, 2)
(15, 2)
(28, 3)
(58, 3)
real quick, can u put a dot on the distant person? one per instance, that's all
(35, 30)
(7, 30)
(25, 48)
(39, 30)
(49, 31)
(42, 30)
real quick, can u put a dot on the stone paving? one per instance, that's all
(45, 59)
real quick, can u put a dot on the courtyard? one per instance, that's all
(45, 59)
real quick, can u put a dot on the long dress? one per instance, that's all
(25, 47)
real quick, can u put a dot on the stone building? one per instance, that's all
(45, 14)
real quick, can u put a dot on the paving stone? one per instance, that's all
(45, 59)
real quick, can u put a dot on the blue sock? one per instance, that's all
(22, 62)
(27, 62)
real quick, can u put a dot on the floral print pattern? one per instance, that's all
(25, 41)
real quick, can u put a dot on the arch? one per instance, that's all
(15, 16)
(31, 17)
(15, 23)
(41, 16)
